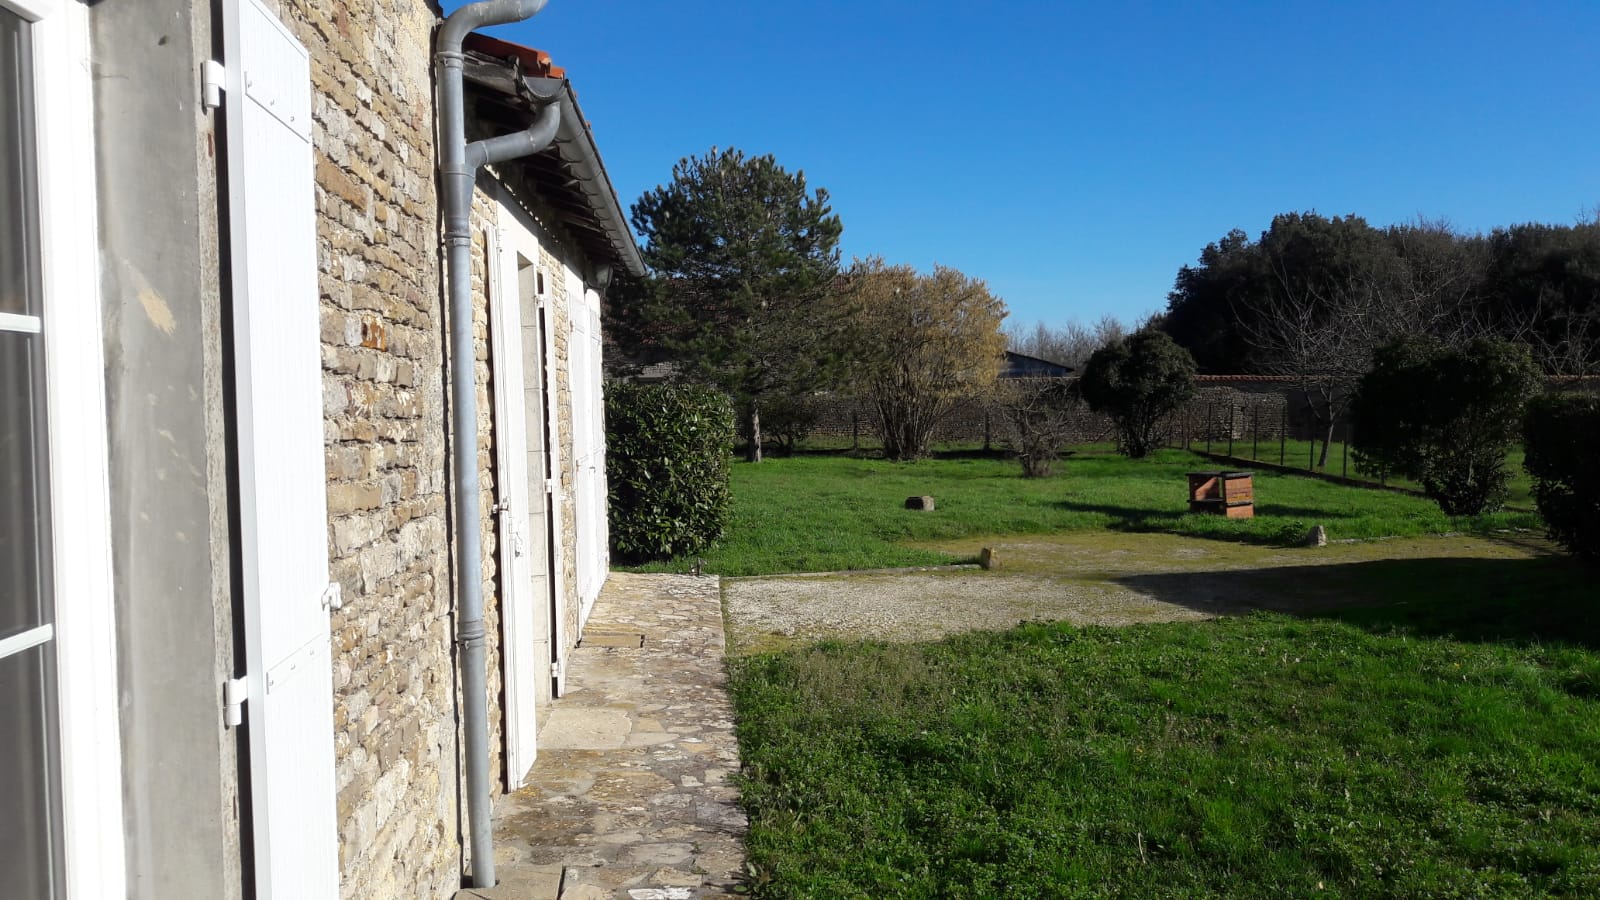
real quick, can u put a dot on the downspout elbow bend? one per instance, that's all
(522, 143)
(478, 15)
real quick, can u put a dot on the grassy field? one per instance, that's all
(1443, 742)
(1301, 455)
(826, 512)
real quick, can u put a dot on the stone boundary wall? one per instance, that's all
(979, 421)
(1243, 406)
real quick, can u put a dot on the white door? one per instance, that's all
(282, 483)
(522, 478)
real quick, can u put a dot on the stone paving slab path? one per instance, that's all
(630, 796)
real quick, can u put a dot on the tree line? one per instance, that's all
(747, 292)
(1315, 297)
(1244, 302)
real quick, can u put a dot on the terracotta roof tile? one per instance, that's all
(535, 63)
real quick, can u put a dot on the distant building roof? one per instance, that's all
(1019, 365)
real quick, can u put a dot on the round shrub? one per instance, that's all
(1445, 416)
(1561, 437)
(1138, 381)
(667, 458)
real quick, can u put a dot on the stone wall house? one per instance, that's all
(228, 663)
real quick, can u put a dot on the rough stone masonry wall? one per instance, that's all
(382, 334)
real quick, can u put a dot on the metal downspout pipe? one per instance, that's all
(458, 167)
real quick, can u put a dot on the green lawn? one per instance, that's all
(1443, 743)
(1301, 455)
(826, 512)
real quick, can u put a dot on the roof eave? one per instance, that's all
(574, 136)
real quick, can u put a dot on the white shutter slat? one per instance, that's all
(282, 483)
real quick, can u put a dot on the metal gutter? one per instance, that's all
(575, 143)
(458, 167)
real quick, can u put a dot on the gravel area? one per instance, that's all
(916, 607)
(1092, 579)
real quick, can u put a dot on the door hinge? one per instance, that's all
(234, 692)
(212, 78)
(333, 596)
(549, 485)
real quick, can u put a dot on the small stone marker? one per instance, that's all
(923, 503)
(1317, 537)
(987, 559)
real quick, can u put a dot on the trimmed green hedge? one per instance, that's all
(1561, 436)
(668, 451)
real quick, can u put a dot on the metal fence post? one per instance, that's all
(1311, 455)
(1210, 413)
(1255, 432)
(1283, 431)
(1232, 427)
(1344, 465)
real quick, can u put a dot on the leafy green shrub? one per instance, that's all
(1444, 416)
(1138, 381)
(1561, 436)
(667, 457)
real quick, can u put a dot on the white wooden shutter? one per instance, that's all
(518, 442)
(282, 485)
(588, 442)
(597, 447)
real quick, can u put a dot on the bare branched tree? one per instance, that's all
(1037, 417)
(1068, 345)
(1320, 320)
(1321, 332)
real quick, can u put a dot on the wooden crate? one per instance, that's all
(1231, 494)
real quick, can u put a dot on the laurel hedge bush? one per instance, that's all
(1445, 416)
(668, 449)
(1561, 437)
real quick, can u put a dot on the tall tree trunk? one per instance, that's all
(754, 453)
(1327, 441)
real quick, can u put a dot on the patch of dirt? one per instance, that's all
(1085, 579)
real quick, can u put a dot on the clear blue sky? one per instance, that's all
(1074, 155)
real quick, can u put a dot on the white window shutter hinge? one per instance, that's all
(212, 78)
(234, 693)
(549, 485)
(333, 596)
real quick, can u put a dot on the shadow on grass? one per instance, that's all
(1144, 520)
(1546, 599)
(1300, 512)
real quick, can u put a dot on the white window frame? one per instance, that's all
(85, 624)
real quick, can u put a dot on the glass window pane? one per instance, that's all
(16, 187)
(23, 525)
(27, 763)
